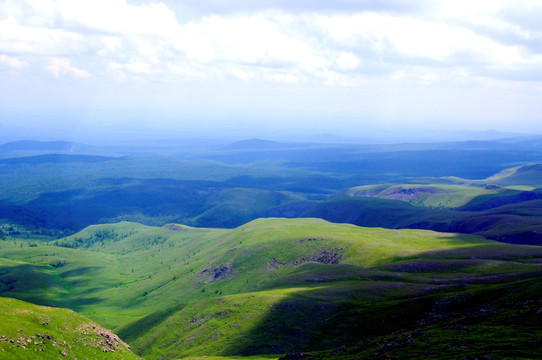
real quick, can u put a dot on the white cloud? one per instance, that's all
(111, 43)
(259, 39)
(12, 62)
(242, 75)
(62, 66)
(148, 41)
(187, 72)
(358, 56)
(284, 77)
(18, 38)
(410, 39)
(418, 75)
(137, 66)
(116, 17)
(117, 71)
(347, 61)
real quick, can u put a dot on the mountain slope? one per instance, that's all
(427, 195)
(26, 148)
(36, 332)
(504, 207)
(530, 174)
(269, 286)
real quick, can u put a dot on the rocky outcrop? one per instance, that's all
(214, 272)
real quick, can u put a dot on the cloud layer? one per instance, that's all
(112, 38)
(384, 47)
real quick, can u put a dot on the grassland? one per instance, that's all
(297, 288)
(427, 195)
(504, 207)
(271, 286)
(528, 174)
(37, 332)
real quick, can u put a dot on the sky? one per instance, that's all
(345, 67)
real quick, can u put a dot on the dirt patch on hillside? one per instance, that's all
(323, 256)
(172, 227)
(309, 239)
(409, 194)
(274, 264)
(214, 272)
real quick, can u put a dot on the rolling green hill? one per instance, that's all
(503, 207)
(259, 289)
(237, 206)
(516, 222)
(528, 175)
(427, 195)
(29, 331)
(271, 286)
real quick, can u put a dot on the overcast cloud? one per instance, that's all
(395, 62)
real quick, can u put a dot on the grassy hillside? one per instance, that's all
(271, 286)
(504, 207)
(427, 195)
(132, 269)
(498, 322)
(318, 306)
(236, 206)
(372, 211)
(37, 332)
(530, 175)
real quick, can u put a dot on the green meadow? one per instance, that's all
(262, 250)
(271, 286)
(38, 332)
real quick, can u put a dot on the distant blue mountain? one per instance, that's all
(259, 144)
(55, 158)
(24, 148)
(34, 145)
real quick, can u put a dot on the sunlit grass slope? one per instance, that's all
(527, 175)
(321, 306)
(29, 331)
(127, 269)
(269, 286)
(524, 177)
(428, 195)
(511, 185)
(504, 207)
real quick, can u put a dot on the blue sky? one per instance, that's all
(344, 67)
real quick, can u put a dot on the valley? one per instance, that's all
(261, 250)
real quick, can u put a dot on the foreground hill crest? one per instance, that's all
(38, 332)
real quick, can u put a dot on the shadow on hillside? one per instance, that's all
(306, 322)
(35, 284)
(81, 271)
(311, 320)
(489, 251)
(133, 330)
